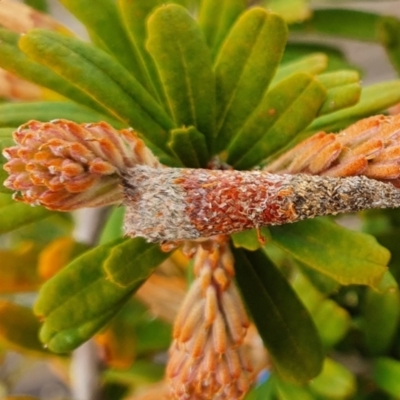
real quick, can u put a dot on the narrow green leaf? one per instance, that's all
(333, 322)
(6, 140)
(312, 64)
(184, 65)
(386, 373)
(347, 256)
(380, 320)
(343, 90)
(250, 239)
(15, 61)
(134, 15)
(334, 382)
(265, 391)
(373, 100)
(245, 67)
(322, 283)
(131, 262)
(113, 228)
(216, 19)
(291, 10)
(340, 97)
(66, 340)
(336, 59)
(352, 24)
(105, 26)
(83, 296)
(15, 114)
(286, 109)
(15, 215)
(289, 391)
(339, 78)
(190, 147)
(282, 321)
(40, 5)
(142, 371)
(19, 328)
(389, 36)
(99, 75)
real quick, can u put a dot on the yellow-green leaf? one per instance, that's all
(183, 62)
(15, 61)
(15, 114)
(190, 147)
(86, 66)
(288, 108)
(15, 215)
(334, 382)
(386, 373)
(82, 297)
(216, 19)
(347, 256)
(104, 24)
(19, 328)
(245, 67)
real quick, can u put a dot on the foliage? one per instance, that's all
(197, 79)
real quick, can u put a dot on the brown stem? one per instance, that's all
(169, 204)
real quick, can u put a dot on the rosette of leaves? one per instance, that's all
(198, 80)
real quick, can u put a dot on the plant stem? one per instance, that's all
(172, 204)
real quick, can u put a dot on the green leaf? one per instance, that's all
(15, 114)
(339, 78)
(288, 108)
(265, 391)
(250, 239)
(334, 382)
(40, 5)
(184, 65)
(386, 373)
(351, 24)
(331, 320)
(190, 147)
(83, 296)
(86, 66)
(373, 100)
(336, 59)
(66, 340)
(105, 27)
(141, 372)
(134, 15)
(19, 328)
(216, 19)
(19, 272)
(389, 36)
(349, 257)
(291, 10)
(6, 140)
(129, 263)
(380, 320)
(14, 215)
(113, 228)
(312, 64)
(289, 391)
(321, 282)
(15, 61)
(343, 90)
(245, 67)
(282, 321)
